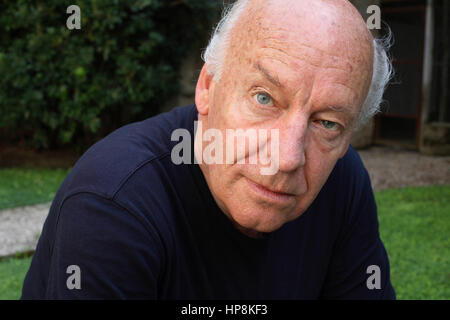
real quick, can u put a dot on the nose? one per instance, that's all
(292, 144)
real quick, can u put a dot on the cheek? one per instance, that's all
(320, 160)
(229, 191)
(232, 107)
(314, 168)
(327, 147)
(221, 115)
(224, 179)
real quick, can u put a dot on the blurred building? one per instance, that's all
(416, 113)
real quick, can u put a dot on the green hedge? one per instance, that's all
(69, 87)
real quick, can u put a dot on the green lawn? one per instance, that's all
(21, 187)
(12, 273)
(414, 226)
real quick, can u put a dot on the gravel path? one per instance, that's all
(393, 168)
(388, 168)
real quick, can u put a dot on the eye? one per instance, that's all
(264, 99)
(330, 125)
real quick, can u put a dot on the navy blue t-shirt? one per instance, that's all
(138, 226)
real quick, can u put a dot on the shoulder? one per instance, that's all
(355, 229)
(349, 174)
(351, 162)
(106, 165)
(347, 190)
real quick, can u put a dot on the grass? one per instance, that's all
(12, 274)
(414, 226)
(21, 187)
(415, 229)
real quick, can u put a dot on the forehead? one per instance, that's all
(296, 62)
(317, 63)
(320, 48)
(302, 56)
(327, 25)
(320, 36)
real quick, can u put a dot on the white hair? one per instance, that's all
(215, 52)
(381, 75)
(214, 57)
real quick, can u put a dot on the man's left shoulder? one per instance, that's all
(348, 185)
(352, 161)
(350, 171)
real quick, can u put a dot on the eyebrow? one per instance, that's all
(267, 74)
(341, 109)
(276, 82)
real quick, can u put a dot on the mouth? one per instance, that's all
(272, 195)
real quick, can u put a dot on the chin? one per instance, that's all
(263, 221)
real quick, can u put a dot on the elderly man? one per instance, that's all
(130, 221)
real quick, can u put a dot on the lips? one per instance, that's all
(279, 196)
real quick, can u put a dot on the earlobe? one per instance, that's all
(202, 91)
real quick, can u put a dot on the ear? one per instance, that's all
(202, 91)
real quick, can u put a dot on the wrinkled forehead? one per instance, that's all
(325, 33)
(318, 42)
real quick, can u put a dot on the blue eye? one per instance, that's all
(330, 125)
(264, 99)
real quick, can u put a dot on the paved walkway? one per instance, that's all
(20, 228)
(388, 168)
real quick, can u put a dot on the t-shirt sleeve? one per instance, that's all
(103, 251)
(359, 267)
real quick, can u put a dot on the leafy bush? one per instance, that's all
(61, 86)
